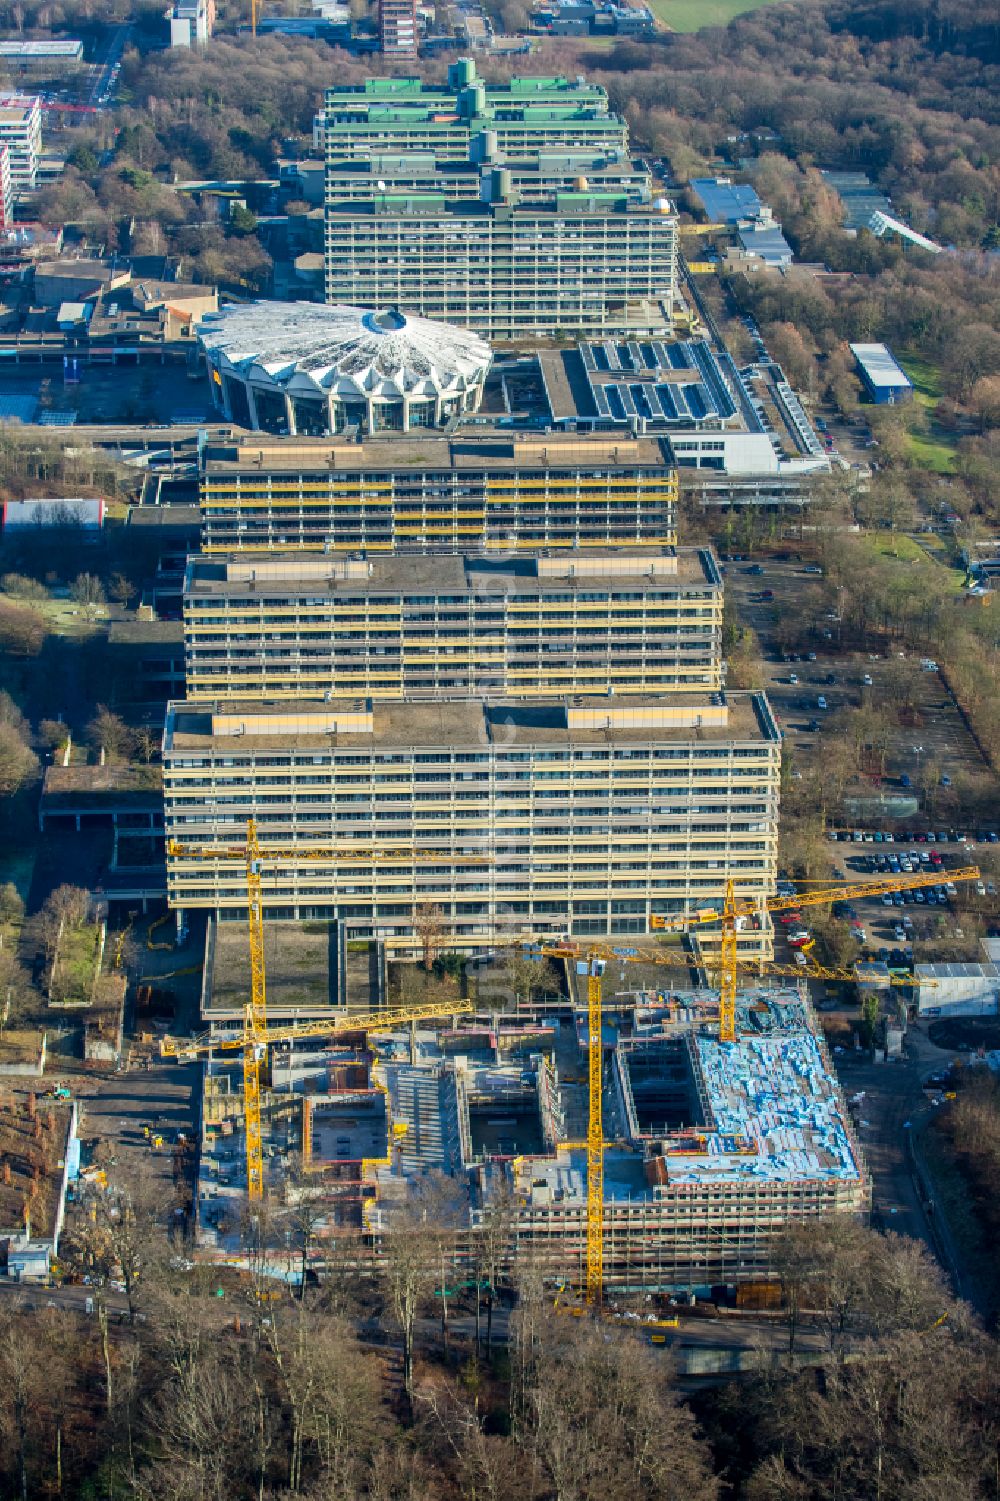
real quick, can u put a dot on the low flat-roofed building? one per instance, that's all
(725, 201)
(742, 434)
(574, 814)
(147, 658)
(489, 491)
(883, 379)
(123, 797)
(47, 53)
(971, 989)
(767, 243)
(70, 280)
(299, 627)
(81, 514)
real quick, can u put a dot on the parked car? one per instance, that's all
(821, 704)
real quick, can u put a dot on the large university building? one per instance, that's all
(419, 627)
(583, 261)
(510, 209)
(300, 370)
(581, 814)
(523, 116)
(496, 493)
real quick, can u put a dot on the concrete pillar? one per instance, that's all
(223, 389)
(289, 415)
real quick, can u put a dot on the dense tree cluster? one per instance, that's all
(172, 1393)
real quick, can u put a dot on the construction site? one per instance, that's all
(710, 1146)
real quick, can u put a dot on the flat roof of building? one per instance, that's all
(671, 383)
(101, 786)
(724, 201)
(768, 242)
(490, 451)
(146, 633)
(41, 50)
(582, 720)
(15, 108)
(662, 571)
(593, 163)
(879, 366)
(572, 202)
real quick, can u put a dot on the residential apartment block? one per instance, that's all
(397, 28)
(423, 627)
(583, 261)
(494, 492)
(21, 133)
(6, 188)
(525, 115)
(581, 814)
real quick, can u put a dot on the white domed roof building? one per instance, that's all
(303, 367)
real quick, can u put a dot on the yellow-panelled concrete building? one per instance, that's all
(494, 492)
(581, 814)
(300, 627)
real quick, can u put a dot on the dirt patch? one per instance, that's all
(966, 1034)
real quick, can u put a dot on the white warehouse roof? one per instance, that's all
(879, 365)
(346, 350)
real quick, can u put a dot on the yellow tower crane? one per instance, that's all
(256, 1036)
(597, 956)
(733, 911)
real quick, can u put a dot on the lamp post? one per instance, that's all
(918, 751)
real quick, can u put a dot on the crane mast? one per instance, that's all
(255, 1033)
(595, 1135)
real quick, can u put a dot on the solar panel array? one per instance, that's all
(704, 394)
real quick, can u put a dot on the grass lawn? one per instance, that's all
(929, 447)
(904, 549)
(926, 378)
(931, 452)
(692, 15)
(76, 964)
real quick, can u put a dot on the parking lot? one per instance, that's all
(902, 927)
(933, 736)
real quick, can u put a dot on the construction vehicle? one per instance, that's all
(596, 957)
(255, 1036)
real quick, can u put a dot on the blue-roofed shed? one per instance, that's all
(726, 202)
